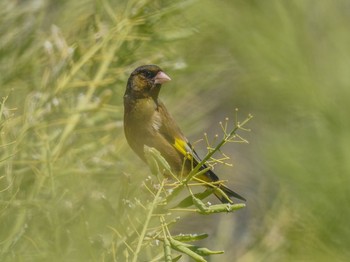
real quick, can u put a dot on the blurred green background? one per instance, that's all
(69, 182)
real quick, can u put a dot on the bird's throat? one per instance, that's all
(154, 92)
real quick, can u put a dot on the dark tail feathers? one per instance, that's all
(229, 193)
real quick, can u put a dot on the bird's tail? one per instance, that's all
(228, 192)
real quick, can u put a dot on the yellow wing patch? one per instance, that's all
(183, 148)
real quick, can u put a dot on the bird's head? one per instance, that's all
(145, 81)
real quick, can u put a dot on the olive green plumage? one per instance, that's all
(148, 122)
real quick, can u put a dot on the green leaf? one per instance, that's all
(188, 201)
(155, 161)
(190, 237)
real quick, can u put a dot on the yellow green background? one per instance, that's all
(70, 185)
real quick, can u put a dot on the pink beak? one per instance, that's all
(161, 78)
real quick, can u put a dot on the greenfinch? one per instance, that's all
(147, 122)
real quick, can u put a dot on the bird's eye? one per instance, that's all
(148, 74)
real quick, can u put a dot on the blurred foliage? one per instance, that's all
(286, 62)
(69, 181)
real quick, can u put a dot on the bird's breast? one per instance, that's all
(141, 122)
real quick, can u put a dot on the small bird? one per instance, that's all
(148, 122)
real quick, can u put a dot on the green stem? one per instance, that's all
(218, 146)
(148, 219)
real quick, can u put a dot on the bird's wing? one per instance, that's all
(172, 133)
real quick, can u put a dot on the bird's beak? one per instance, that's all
(161, 78)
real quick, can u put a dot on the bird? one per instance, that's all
(147, 122)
